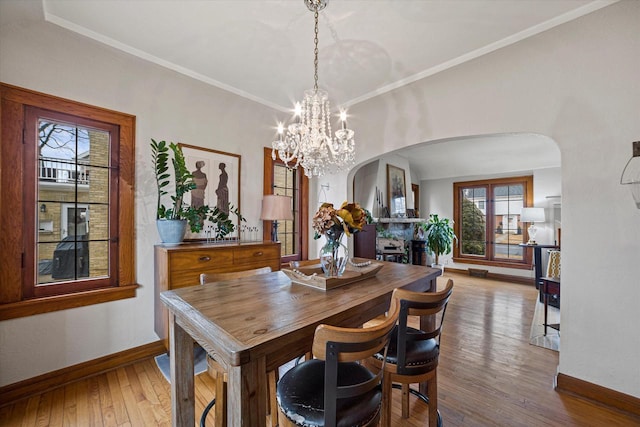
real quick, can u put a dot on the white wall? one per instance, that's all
(577, 84)
(43, 57)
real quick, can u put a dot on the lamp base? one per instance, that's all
(533, 230)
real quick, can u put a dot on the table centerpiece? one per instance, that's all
(333, 224)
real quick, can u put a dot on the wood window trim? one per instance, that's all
(415, 189)
(525, 264)
(304, 202)
(12, 225)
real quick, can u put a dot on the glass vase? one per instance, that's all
(334, 254)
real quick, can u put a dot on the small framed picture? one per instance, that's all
(396, 191)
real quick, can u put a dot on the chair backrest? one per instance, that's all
(553, 266)
(410, 303)
(217, 277)
(337, 345)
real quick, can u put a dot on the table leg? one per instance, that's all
(247, 394)
(546, 307)
(181, 365)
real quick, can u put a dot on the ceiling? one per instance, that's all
(263, 50)
(366, 47)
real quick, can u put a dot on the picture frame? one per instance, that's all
(209, 175)
(396, 191)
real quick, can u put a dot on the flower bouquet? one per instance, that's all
(332, 223)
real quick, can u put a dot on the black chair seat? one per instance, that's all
(420, 354)
(300, 395)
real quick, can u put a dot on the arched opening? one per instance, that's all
(431, 168)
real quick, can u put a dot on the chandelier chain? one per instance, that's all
(315, 51)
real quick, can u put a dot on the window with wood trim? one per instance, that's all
(487, 221)
(292, 234)
(66, 200)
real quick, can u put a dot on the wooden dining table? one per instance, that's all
(254, 325)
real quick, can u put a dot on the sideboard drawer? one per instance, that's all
(201, 259)
(253, 255)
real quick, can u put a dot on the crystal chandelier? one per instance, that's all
(308, 141)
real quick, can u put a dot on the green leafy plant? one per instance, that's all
(439, 235)
(183, 183)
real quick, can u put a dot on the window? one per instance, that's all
(293, 235)
(487, 221)
(67, 204)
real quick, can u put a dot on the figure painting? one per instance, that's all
(217, 178)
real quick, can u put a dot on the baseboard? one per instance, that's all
(45, 382)
(496, 276)
(598, 394)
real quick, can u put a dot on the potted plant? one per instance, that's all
(439, 236)
(172, 221)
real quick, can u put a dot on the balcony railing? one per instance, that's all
(62, 171)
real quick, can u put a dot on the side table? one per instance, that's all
(549, 286)
(537, 261)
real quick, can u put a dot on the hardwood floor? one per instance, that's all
(489, 375)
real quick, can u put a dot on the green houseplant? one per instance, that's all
(439, 235)
(173, 220)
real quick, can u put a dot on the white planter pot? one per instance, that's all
(171, 230)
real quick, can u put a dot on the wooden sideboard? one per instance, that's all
(179, 266)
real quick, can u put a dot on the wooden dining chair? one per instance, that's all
(217, 371)
(413, 354)
(333, 389)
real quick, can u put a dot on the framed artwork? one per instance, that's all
(217, 178)
(396, 191)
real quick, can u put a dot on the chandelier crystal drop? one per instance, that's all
(307, 141)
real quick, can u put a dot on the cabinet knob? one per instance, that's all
(258, 253)
(205, 258)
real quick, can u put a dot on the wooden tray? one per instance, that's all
(310, 273)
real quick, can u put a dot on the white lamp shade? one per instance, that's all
(275, 208)
(532, 215)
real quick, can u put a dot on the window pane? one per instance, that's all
(508, 235)
(473, 224)
(94, 184)
(98, 221)
(72, 203)
(63, 261)
(285, 185)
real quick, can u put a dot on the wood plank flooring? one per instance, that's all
(489, 375)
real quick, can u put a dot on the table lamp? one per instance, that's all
(532, 215)
(274, 208)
